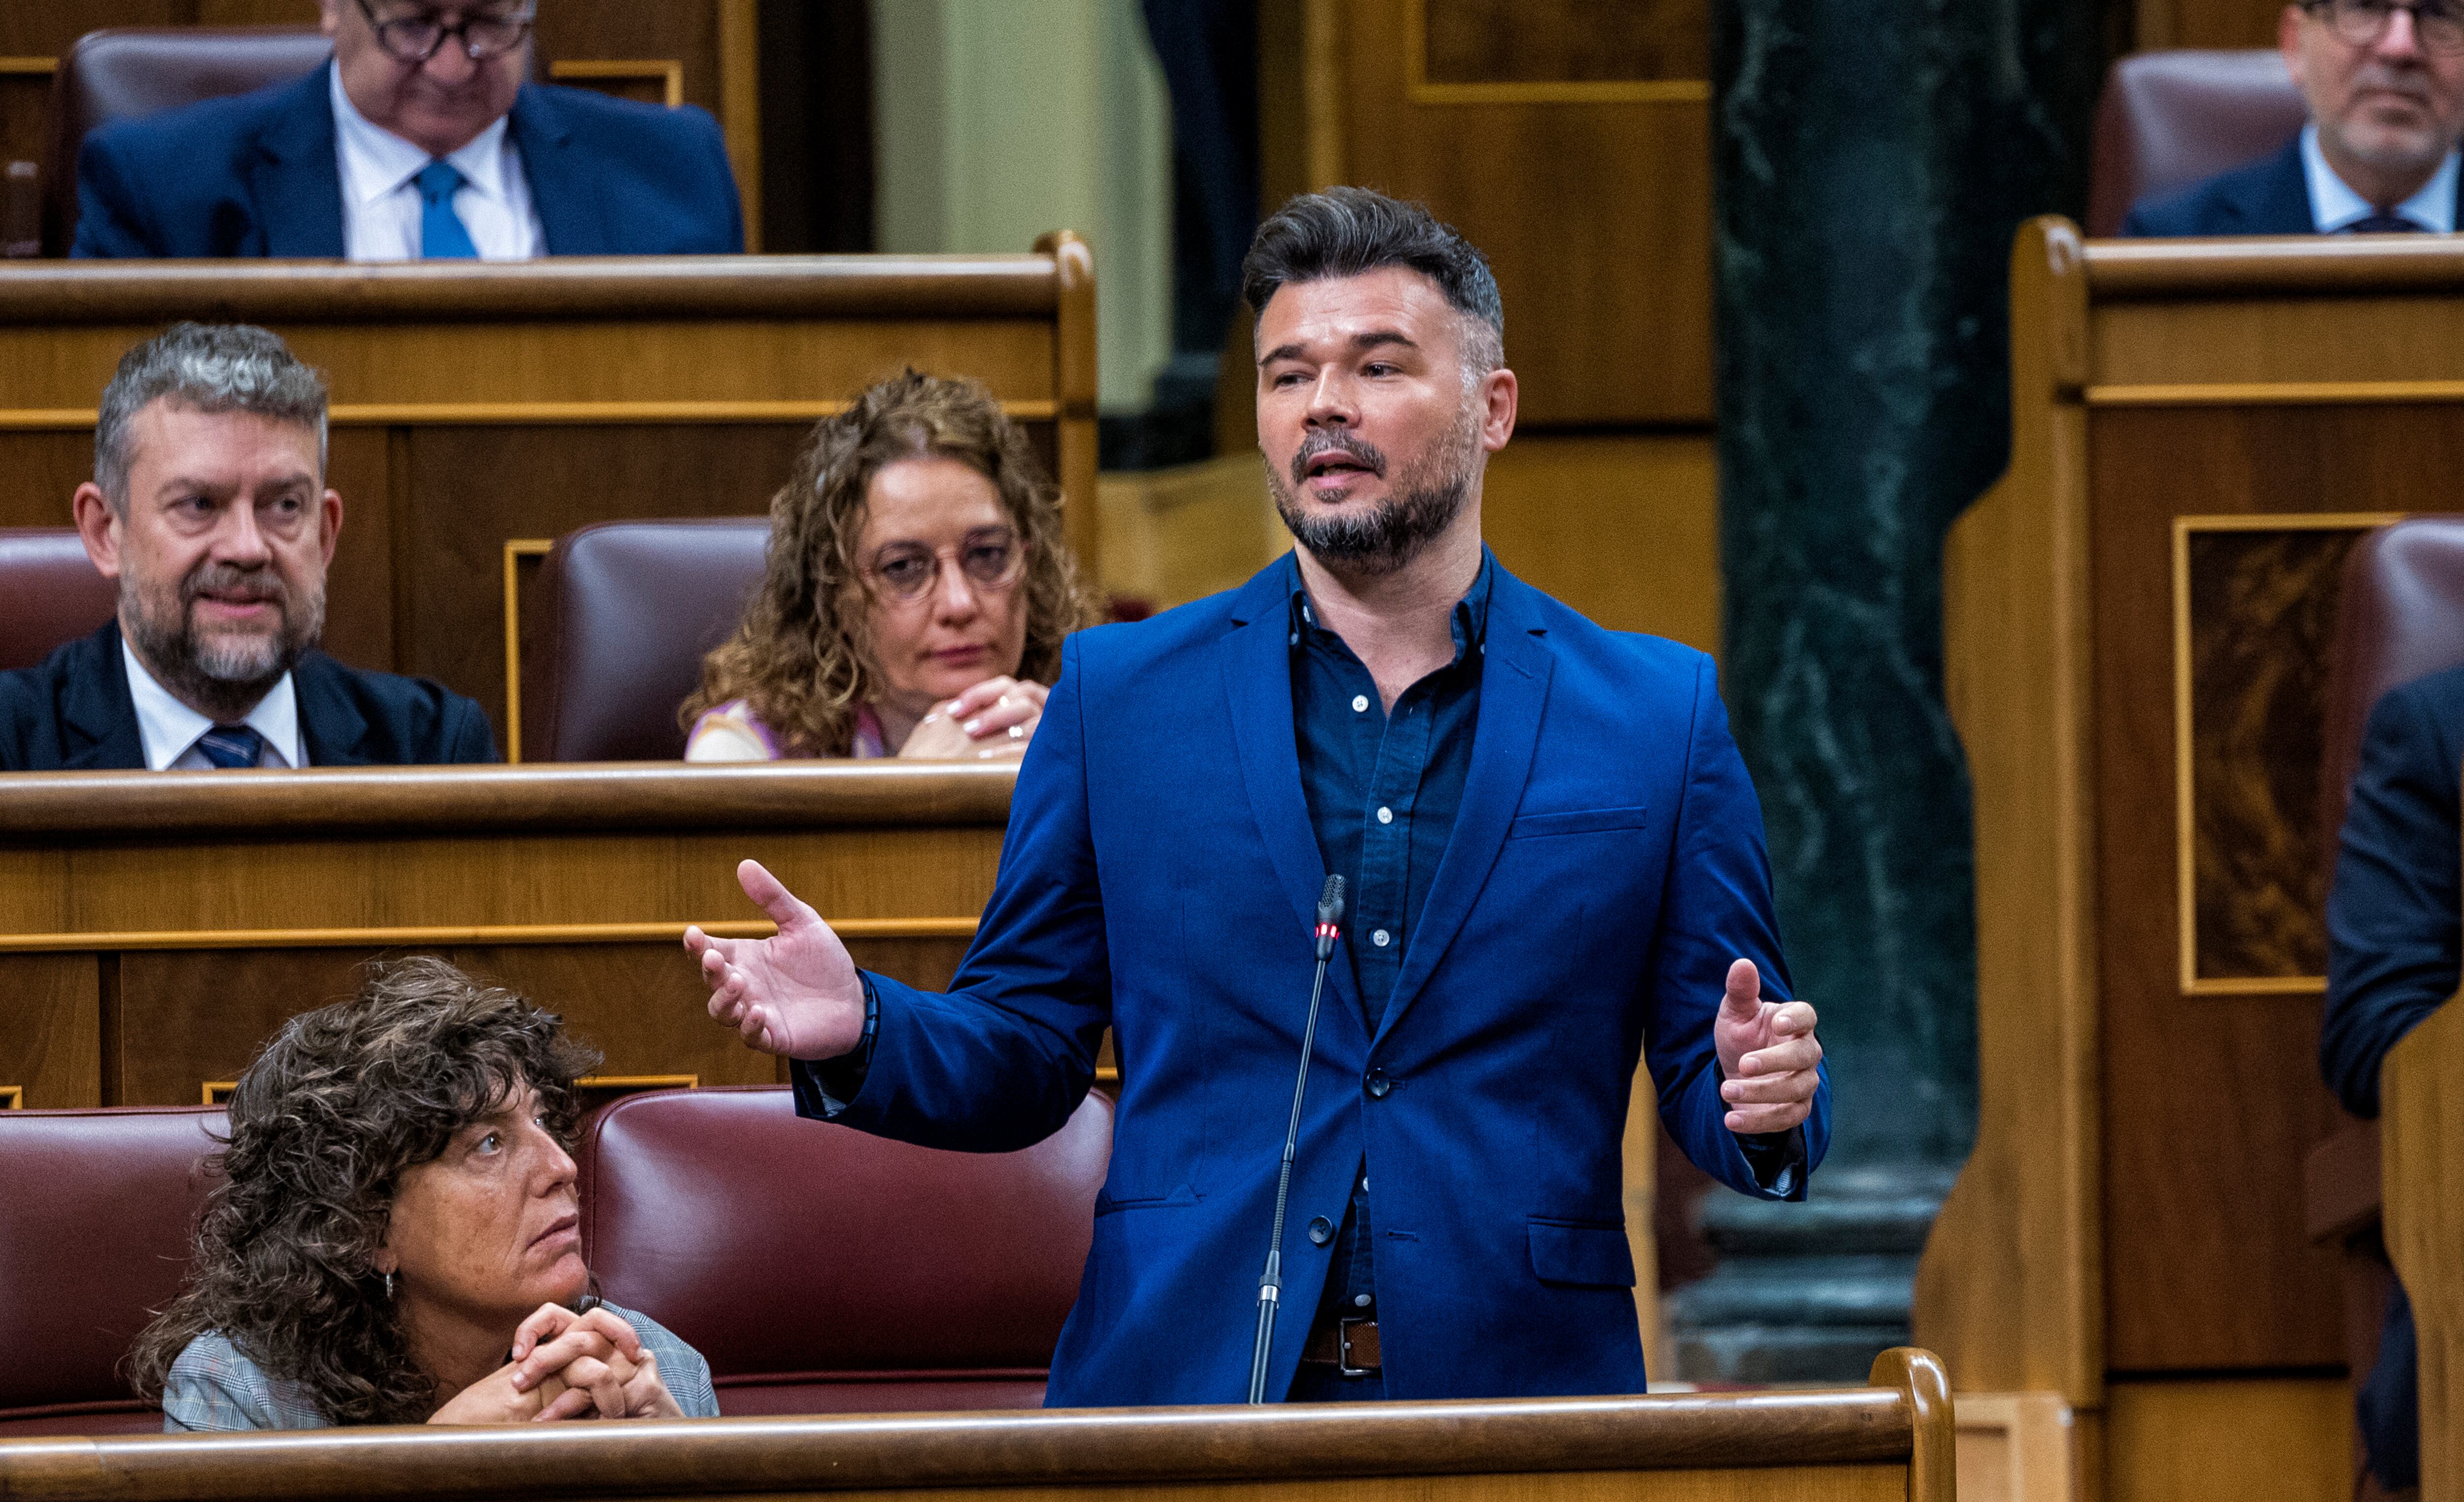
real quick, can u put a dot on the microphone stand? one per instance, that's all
(1270, 1284)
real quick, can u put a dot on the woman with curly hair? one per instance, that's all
(916, 594)
(395, 1236)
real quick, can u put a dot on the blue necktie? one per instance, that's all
(229, 747)
(442, 233)
(2383, 222)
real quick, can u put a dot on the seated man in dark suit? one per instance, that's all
(423, 137)
(2394, 937)
(2385, 84)
(208, 506)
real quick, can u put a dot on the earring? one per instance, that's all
(389, 1285)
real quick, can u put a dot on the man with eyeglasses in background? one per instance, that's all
(425, 136)
(2385, 84)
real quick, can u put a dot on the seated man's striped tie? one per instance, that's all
(229, 746)
(442, 233)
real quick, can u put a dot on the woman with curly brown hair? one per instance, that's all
(915, 595)
(395, 1236)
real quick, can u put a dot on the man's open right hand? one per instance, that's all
(796, 993)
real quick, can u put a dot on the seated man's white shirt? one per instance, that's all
(381, 206)
(2335, 207)
(169, 728)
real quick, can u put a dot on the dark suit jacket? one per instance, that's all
(2395, 947)
(1605, 866)
(2270, 196)
(72, 713)
(255, 175)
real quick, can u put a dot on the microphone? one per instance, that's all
(1270, 1284)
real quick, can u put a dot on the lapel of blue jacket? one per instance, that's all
(1257, 677)
(2279, 199)
(297, 183)
(332, 727)
(560, 189)
(100, 730)
(1513, 690)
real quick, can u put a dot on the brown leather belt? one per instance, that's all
(1348, 1345)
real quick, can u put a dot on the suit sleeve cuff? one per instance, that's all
(825, 1087)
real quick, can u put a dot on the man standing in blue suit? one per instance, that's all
(421, 138)
(1556, 865)
(2385, 84)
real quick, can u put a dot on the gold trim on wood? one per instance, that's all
(1562, 91)
(669, 73)
(29, 67)
(394, 414)
(508, 934)
(2276, 393)
(2184, 782)
(215, 1092)
(739, 106)
(13, 1097)
(516, 548)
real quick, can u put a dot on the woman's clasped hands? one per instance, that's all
(564, 1365)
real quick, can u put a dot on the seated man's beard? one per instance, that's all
(222, 674)
(1425, 501)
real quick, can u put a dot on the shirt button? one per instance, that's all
(1381, 938)
(1321, 1230)
(1359, 703)
(1385, 816)
(1360, 1301)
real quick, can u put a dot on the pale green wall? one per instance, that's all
(998, 120)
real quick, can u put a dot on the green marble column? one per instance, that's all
(1873, 161)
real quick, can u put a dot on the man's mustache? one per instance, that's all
(1321, 441)
(228, 582)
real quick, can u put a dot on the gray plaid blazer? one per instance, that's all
(212, 1386)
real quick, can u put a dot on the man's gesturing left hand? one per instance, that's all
(1767, 1052)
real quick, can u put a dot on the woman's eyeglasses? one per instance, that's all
(991, 561)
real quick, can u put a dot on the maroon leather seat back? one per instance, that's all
(2169, 119)
(50, 593)
(95, 1209)
(2400, 617)
(822, 1270)
(632, 607)
(119, 74)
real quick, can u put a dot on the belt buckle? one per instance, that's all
(1343, 1349)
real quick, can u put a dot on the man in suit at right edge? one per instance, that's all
(1554, 861)
(2385, 84)
(2395, 934)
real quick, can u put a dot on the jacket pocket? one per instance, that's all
(1586, 1252)
(1579, 821)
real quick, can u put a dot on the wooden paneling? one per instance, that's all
(474, 404)
(1859, 1444)
(2208, 1266)
(2267, 1439)
(2134, 628)
(1590, 192)
(2206, 23)
(1560, 41)
(51, 1044)
(156, 928)
(2422, 1134)
(1624, 529)
(2015, 1447)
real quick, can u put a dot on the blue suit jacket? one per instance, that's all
(2270, 196)
(256, 175)
(1161, 876)
(72, 713)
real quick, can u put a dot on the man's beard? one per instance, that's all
(221, 673)
(1424, 502)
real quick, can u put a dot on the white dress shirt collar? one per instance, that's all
(380, 208)
(2334, 206)
(169, 729)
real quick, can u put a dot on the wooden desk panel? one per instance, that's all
(2137, 621)
(154, 928)
(2423, 1140)
(476, 403)
(1892, 1441)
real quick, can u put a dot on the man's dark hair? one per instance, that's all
(1350, 231)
